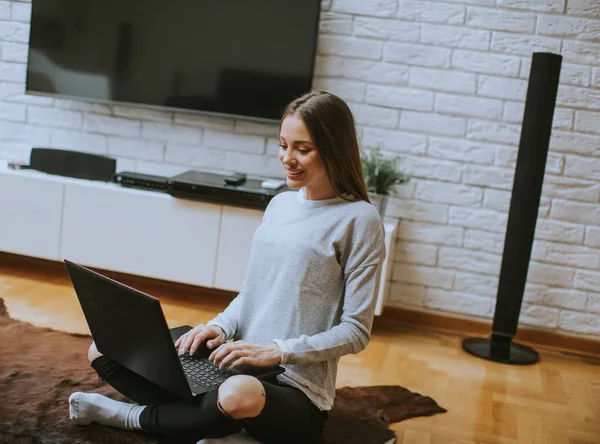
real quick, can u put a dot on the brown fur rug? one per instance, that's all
(40, 368)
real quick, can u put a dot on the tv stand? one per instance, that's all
(135, 231)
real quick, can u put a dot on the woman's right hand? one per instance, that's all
(197, 335)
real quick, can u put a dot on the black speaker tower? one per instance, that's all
(522, 217)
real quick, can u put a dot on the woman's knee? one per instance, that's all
(93, 352)
(242, 397)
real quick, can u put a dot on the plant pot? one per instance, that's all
(379, 201)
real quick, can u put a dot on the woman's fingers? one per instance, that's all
(238, 353)
(226, 354)
(196, 343)
(184, 345)
(240, 361)
(194, 338)
(227, 360)
(180, 339)
(186, 340)
(219, 354)
(214, 343)
(199, 339)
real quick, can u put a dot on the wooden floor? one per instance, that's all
(556, 401)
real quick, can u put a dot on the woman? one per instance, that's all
(308, 299)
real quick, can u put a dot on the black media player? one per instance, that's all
(143, 181)
(211, 187)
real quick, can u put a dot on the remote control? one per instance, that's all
(235, 179)
(272, 184)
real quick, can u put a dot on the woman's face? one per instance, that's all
(301, 159)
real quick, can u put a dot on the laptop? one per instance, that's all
(129, 327)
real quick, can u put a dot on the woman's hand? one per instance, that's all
(197, 335)
(240, 352)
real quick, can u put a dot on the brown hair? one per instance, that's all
(331, 125)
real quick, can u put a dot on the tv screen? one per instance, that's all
(240, 57)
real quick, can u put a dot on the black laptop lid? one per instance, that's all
(129, 327)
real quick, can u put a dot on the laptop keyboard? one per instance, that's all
(203, 372)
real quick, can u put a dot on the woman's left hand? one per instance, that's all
(236, 353)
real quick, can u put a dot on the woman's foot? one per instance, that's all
(85, 408)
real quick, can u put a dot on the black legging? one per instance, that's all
(288, 416)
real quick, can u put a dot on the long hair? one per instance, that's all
(331, 125)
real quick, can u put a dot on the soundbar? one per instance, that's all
(72, 164)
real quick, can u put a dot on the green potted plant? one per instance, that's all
(381, 176)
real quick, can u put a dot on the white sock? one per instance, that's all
(85, 408)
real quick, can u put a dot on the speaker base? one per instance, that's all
(514, 354)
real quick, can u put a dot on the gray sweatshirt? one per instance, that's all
(311, 287)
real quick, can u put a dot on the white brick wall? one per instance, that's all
(435, 234)
(386, 29)
(78, 141)
(433, 123)
(585, 53)
(488, 131)
(455, 36)
(20, 11)
(560, 231)
(562, 298)
(380, 8)
(423, 254)
(484, 240)
(592, 236)
(587, 122)
(467, 260)
(523, 45)
(478, 219)
(169, 132)
(469, 106)
(349, 47)
(458, 302)
(587, 280)
(431, 12)
(456, 149)
(536, 5)
(347, 89)
(539, 316)
(433, 277)
(418, 55)
(424, 167)
(5, 10)
(500, 20)
(334, 23)
(135, 148)
(475, 283)
(375, 71)
(410, 296)
(391, 140)
(488, 63)
(596, 78)
(584, 7)
(399, 97)
(13, 112)
(44, 116)
(441, 82)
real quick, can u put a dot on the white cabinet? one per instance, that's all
(235, 242)
(391, 228)
(30, 215)
(140, 232)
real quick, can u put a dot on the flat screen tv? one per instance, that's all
(236, 57)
